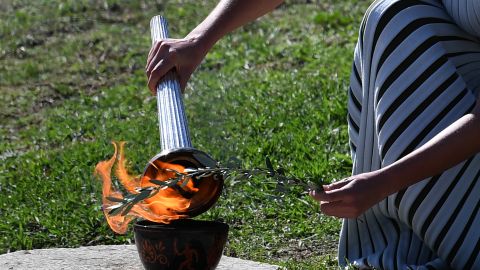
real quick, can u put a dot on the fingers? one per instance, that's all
(159, 53)
(317, 195)
(161, 60)
(331, 192)
(336, 204)
(328, 195)
(157, 73)
(153, 51)
(336, 185)
(340, 209)
(337, 201)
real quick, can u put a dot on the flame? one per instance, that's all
(164, 207)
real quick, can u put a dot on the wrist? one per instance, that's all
(391, 180)
(203, 42)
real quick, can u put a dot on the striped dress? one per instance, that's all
(416, 70)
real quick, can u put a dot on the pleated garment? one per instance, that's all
(416, 70)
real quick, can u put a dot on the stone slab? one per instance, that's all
(107, 257)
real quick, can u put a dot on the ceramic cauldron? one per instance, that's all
(182, 244)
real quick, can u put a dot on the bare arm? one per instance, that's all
(354, 195)
(456, 143)
(227, 16)
(187, 53)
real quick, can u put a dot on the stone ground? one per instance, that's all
(99, 257)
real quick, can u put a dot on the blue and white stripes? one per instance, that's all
(416, 70)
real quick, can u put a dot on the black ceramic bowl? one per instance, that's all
(182, 244)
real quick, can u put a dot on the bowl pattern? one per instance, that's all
(184, 244)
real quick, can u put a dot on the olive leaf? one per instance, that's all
(185, 182)
(115, 209)
(142, 196)
(269, 165)
(115, 199)
(128, 208)
(159, 182)
(235, 174)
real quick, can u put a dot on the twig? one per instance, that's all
(180, 180)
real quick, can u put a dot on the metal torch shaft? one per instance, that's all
(173, 124)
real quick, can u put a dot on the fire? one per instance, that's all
(165, 206)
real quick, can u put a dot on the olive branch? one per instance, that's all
(180, 180)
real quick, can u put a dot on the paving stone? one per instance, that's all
(107, 257)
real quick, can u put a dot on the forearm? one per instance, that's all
(227, 16)
(456, 143)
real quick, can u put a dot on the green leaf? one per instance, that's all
(241, 177)
(141, 196)
(205, 174)
(185, 181)
(130, 197)
(114, 199)
(115, 206)
(190, 170)
(159, 182)
(127, 209)
(316, 187)
(281, 171)
(269, 165)
(116, 209)
(174, 171)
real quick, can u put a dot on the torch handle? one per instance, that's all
(173, 124)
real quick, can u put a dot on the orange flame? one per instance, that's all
(162, 207)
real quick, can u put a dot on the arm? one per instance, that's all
(187, 53)
(351, 197)
(456, 143)
(227, 16)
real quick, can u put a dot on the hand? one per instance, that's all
(182, 54)
(351, 197)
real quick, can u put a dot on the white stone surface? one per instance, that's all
(99, 257)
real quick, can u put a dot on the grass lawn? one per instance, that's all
(72, 80)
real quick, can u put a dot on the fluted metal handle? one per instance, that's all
(173, 124)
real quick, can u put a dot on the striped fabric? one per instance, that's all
(416, 70)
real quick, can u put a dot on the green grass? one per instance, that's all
(71, 80)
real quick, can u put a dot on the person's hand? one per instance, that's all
(182, 54)
(352, 196)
